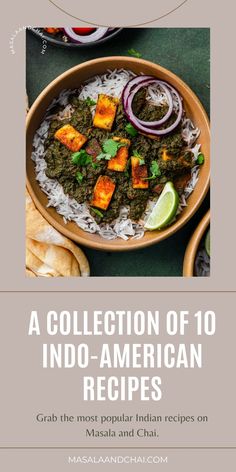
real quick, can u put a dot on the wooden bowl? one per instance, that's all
(193, 245)
(71, 79)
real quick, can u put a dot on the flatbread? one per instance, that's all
(49, 253)
(29, 273)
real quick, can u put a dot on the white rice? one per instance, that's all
(112, 83)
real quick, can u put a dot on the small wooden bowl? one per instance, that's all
(193, 245)
(72, 79)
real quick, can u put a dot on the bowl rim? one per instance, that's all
(62, 44)
(103, 244)
(193, 245)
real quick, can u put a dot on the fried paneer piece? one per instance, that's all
(175, 164)
(105, 112)
(70, 137)
(139, 173)
(165, 156)
(103, 192)
(119, 162)
(181, 159)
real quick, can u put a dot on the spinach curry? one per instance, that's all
(160, 160)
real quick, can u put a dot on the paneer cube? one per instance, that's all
(119, 162)
(70, 137)
(139, 174)
(103, 192)
(176, 162)
(165, 156)
(105, 112)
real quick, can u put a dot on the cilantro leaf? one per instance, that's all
(111, 147)
(136, 154)
(94, 165)
(141, 159)
(81, 158)
(90, 102)
(79, 177)
(133, 52)
(75, 158)
(104, 155)
(131, 130)
(155, 170)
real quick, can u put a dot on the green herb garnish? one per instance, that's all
(90, 102)
(133, 52)
(201, 159)
(94, 165)
(155, 170)
(136, 154)
(131, 130)
(75, 158)
(104, 155)
(97, 212)
(81, 158)
(79, 177)
(110, 149)
(141, 159)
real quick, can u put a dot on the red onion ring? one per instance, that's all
(76, 38)
(154, 124)
(145, 129)
(142, 81)
(135, 81)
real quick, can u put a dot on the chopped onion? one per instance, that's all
(76, 38)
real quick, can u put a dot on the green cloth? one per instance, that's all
(186, 52)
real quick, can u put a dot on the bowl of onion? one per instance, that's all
(74, 37)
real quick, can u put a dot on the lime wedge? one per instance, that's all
(165, 209)
(208, 243)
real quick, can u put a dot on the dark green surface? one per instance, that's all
(186, 52)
